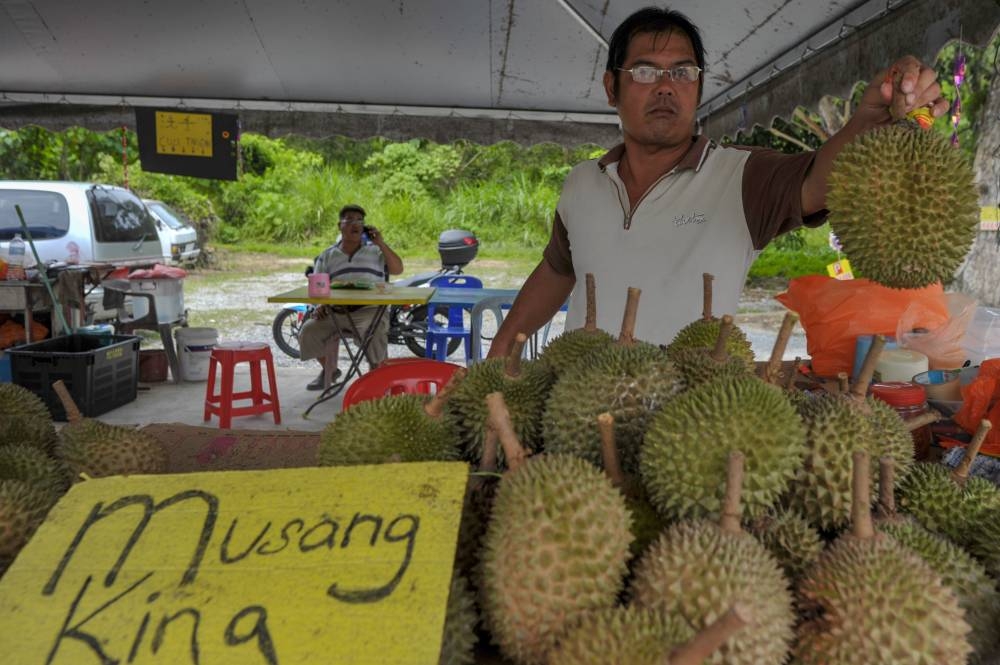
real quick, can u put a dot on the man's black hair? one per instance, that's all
(652, 20)
(351, 207)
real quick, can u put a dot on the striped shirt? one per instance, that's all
(367, 264)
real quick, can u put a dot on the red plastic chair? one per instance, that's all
(413, 377)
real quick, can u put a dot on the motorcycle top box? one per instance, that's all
(457, 248)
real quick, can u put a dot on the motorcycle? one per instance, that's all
(407, 323)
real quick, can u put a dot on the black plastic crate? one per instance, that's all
(100, 376)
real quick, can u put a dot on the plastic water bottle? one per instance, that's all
(15, 258)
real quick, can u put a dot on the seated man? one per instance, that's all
(350, 259)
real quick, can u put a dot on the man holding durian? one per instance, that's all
(667, 205)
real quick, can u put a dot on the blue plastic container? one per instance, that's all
(861, 347)
(5, 374)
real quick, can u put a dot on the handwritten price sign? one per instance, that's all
(187, 134)
(290, 566)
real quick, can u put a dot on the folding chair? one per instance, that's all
(438, 335)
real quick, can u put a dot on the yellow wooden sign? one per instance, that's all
(290, 567)
(185, 134)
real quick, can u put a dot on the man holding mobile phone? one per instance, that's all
(351, 260)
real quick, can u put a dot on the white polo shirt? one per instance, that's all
(713, 213)
(367, 264)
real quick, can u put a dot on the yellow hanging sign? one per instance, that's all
(186, 134)
(290, 566)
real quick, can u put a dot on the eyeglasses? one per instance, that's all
(650, 74)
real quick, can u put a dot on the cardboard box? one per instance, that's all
(191, 448)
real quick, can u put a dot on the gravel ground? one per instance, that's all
(235, 303)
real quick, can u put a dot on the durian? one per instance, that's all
(874, 601)
(477, 505)
(947, 501)
(685, 451)
(703, 332)
(22, 508)
(904, 205)
(459, 639)
(525, 387)
(97, 450)
(24, 418)
(774, 367)
(698, 569)
(23, 462)
(700, 365)
(789, 538)
(556, 547)
(567, 349)
(634, 636)
(394, 428)
(629, 379)
(647, 524)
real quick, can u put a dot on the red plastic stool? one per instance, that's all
(226, 356)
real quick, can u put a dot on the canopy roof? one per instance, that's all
(506, 60)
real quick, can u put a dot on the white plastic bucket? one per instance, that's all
(168, 294)
(194, 348)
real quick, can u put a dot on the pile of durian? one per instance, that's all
(630, 503)
(37, 464)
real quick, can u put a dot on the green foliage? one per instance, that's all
(416, 169)
(980, 68)
(801, 252)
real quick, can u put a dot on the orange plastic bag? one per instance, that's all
(834, 312)
(981, 399)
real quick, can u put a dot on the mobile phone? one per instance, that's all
(367, 229)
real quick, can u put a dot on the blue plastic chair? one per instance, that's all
(438, 336)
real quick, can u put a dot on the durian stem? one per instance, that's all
(886, 487)
(773, 372)
(864, 377)
(719, 354)
(434, 407)
(843, 383)
(590, 324)
(861, 498)
(499, 420)
(731, 510)
(928, 418)
(73, 414)
(488, 460)
(627, 335)
(706, 295)
(961, 472)
(512, 365)
(609, 451)
(790, 383)
(696, 650)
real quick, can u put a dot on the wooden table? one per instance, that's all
(392, 295)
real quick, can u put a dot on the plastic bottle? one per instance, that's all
(909, 400)
(15, 258)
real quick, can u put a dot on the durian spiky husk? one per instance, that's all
(24, 418)
(556, 548)
(392, 428)
(976, 592)
(687, 446)
(696, 571)
(702, 334)
(903, 203)
(22, 508)
(566, 350)
(459, 640)
(100, 450)
(983, 539)
(878, 602)
(629, 382)
(789, 538)
(697, 366)
(821, 490)
(20, 461)
(892, 439)
(929, 494)
(622, 636)
(524, 395)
